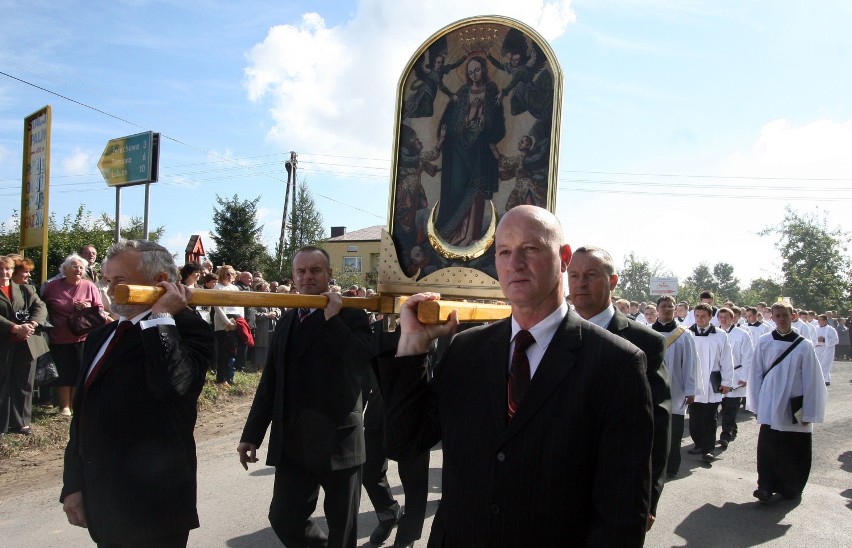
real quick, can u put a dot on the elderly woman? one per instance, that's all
(225, 328)
(21, 311)
(63, 296)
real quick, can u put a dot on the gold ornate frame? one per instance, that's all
(516, 97)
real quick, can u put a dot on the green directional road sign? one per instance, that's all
(131, 160)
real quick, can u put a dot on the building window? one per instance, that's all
(352, 264)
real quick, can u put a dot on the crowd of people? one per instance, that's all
(532, 412)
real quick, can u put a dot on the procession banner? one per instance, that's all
(476, 133)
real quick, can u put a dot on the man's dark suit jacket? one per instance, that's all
(323, 428)
(572, 468)
(654, 346)
(132, 451)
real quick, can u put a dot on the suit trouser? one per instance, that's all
(703, 419)
(673, 464)
(730, 407)
(414, 475)
(294, 499)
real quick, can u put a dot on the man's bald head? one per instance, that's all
(533, 216)
(530, 261)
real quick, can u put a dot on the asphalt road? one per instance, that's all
(707, 505)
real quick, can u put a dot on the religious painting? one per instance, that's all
(478, 112)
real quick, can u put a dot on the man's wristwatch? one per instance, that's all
(160, 315)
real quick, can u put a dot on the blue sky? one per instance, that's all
(687, 126)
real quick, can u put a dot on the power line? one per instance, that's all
(253, 168)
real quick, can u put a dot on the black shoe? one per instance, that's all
(723, 443)
(384, 529)
(791, 496)
(696, 451)
(762, 496)
(671, 475)
(708, 457)
(397, 544)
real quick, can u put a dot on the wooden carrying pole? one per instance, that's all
(428, 312)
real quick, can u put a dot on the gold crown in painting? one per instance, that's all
(477, 39)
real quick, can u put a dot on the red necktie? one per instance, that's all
(519, 374)
(119, 331)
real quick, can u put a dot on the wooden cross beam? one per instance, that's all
(428, 312)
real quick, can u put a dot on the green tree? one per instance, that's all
(238, 235)
(700, 280)
(69, 236)
(306, 229)
(634, 278)
(134, 230)
(727, 285)
(762, 290)
(815, 269)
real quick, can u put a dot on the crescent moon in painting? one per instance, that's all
(476, 249)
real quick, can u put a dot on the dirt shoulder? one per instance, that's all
(41, 464)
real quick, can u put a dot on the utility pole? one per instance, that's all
(289, 168)
(293, 163)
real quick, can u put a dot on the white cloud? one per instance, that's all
(818, 149)
(334, 88)
(80, 162)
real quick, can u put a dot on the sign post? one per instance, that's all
(663, 286)
(35, 183)
(128, 161)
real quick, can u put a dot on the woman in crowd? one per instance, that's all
(23, 270)
(63, 296)
(190, 274)
(21, 312)
(225, 327)
(265, 318)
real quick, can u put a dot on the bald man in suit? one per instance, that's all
(533, 411)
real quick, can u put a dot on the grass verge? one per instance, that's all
(50, 429)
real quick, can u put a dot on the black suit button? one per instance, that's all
(495, 509)
(501, 457)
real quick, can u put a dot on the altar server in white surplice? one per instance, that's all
(756, 327)
(714, 355)
(826, 340)
(684, 373)
(802, 327)
(788, 395)
(741, 351)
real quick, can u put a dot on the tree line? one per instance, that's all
(237, 233)
(815, 270)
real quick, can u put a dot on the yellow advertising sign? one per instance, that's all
(35, 179)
